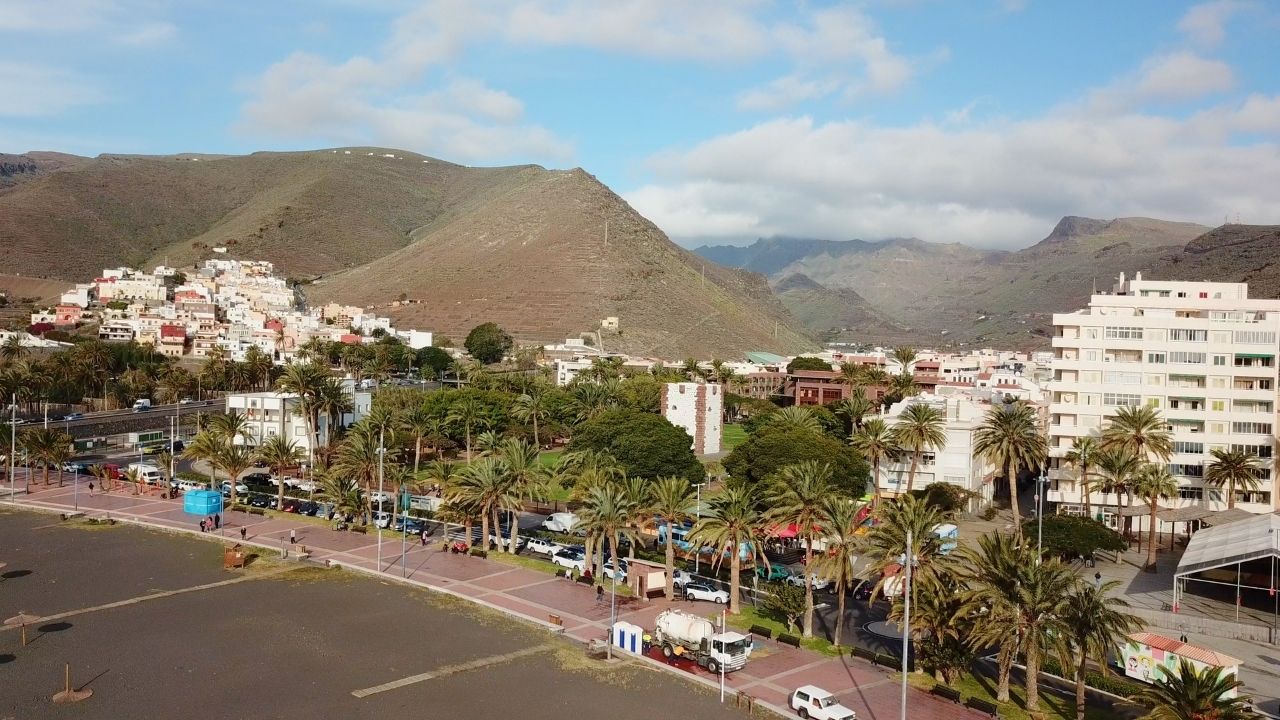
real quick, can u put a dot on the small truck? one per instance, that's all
(698, 637)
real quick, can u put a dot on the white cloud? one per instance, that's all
(1205, 24)
(32, 90)
(125, 22)
(998, 184)
(1183, 76)
(785, 92)
(149, 33)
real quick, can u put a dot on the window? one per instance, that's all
(1153, 402)
(1221, 338)
(1218, 405)
(1217, 428)
(1091, 333)
(1217, 382)
(1219, 360)
(1155, 379)
(1190, 358)
(1185, 335)
(300, 432)
(1256, 337)
(1252, 428)
(1262, 451)
(1260, 497)
(1091, 355)
(1181, 403)
(1123, 333)
(1155, 357)
(1186, 470)
(1255, 361)
(1183, 446)
(1113, 377)
(1191, 493)
(1121, 399)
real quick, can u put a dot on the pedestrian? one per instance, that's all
(217, 521)
(292, 538)
(599, 595)
(646, 643)
(424, 537)
(202, 525)
(243, 531)
(91, 488)
(1097, 580)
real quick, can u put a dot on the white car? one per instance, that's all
(819, 583)
(680, 578)
(185, 401)
(811, 701)
(240, 487)
(608, 570)
(700, 591)
(189, 485)
(380, 497)
(307, 485)
(567, 558)
(382, 519)
(543, 546)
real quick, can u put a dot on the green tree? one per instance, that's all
(526, 480)
(645, 445)
(808, 362)
(1095, 620)
(795, 497)
(488, 343)
(1152, 483)
(1189, 694)
(843, 546)
(1084, 450)
(766, 452)
(532, 407)
(875, 441)
(671, 499)
(279, 453)
(990, 570)
(787, 603)
(433, 362)
(605, 513)
(1075, 537)
(1231, 469)
(919, 428)
(733, 522)
(1010, 439)
(1142, 431)
(1117, 466)
(796, 417)
(886, 544)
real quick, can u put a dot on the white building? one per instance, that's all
(1203, 354)
(954, 463)
(270, 414)
(699, 409)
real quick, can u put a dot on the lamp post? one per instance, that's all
(697, 512)
(381, 452)
(1041, 484)
(13, 443)
(908, 560)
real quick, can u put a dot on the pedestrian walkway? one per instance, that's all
(551, 601)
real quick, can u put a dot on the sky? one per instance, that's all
(975, 121)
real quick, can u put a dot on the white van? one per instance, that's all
(149, 474)
(561, 522)
(814, 702)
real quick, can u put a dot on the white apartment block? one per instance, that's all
(270, 414)
(1202, 353)
(954, 463)
(698, 408)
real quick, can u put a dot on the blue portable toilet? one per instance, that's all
(628, 637)
(202, 502)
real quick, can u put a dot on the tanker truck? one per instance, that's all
(701, 643)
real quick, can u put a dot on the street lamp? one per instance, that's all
(13, 443)
(381, 453)
(697, 512)
(1042, 484)
(908, 559)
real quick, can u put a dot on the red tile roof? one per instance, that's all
(1177, 647)
(173, 331)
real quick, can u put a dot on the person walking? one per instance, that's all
(1097, 580)
(599, 595)
(217, 521)
(424, 537)
(243, 532)
(293, 539)
(90, 488)
(202, 525)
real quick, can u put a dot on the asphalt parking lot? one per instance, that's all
(278, 642)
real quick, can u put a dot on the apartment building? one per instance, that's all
(954, 462)
(1202, 353)
(698, 408)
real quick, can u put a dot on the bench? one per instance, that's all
(888, 661)
(762, 631)
(865, 654)
(791, 640)
(477, 552)
(983, 706)
(945, 693)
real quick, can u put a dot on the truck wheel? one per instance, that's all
(714, 667)
(667, 652)
(804, 714)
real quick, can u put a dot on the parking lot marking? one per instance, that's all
(452, 670)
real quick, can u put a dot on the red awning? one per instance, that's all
(789, 531)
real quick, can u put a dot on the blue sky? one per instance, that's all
(980, 121)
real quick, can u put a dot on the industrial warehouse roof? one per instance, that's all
(1241, 541)
(766, 358)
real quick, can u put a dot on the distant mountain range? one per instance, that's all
(942, 294)
(522, 246)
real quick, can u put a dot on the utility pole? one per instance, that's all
(381, 453)
(908, 560)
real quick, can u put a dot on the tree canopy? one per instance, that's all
(769, 450)
(644, 444)
(488, 343)
(433, 359)
(807, 362)
(1071, 537)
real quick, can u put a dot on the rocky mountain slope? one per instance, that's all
(521, 246)
(837, 315)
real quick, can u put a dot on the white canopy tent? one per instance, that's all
(1251, 539)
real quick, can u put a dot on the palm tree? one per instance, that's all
(796, 498)
(854, 408)
(1189, 694)
(671, 499)
(1117, 467)
(467, 412)
(60, 451)
(939, 624)
(134, 476)
(1152, 483)
(795, 417)
(1043, 589)
(1231, 468)
(605, 514)
(304, 380)
(920, 427)
(419, 423)
(840, 521)
(164, 461)
(1010, 438)
(875, 441)
(733, 523)
(1095, 620)
(525, 478)
(487, 442)
(886, 544)
(342, 492)
(991, 571)
(230, 427)
(206, 446)
(532, 407)
(358, 458)
(279, 453)
(1140, 429)
(234, 460)
(484, 485)
(332, 401)
(640, 507)
(1084, 450)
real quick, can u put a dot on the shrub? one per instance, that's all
(1072, 537)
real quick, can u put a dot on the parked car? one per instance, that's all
(257, 479)
(543, 546)
(772, 572)
(608, 570)
(811, 701)
(261, 500)
(240, 488)
(72, 416)
(380, 497)
(864, 590)
(291, 505)
(307, 507)
(819, 583)
(189, 485)
(701, 591)
(567, 558)
(382, 519)
(680, 578)
(75, 467)
(307, 485)
(561, 522)
(413, 526)
(185, 401)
